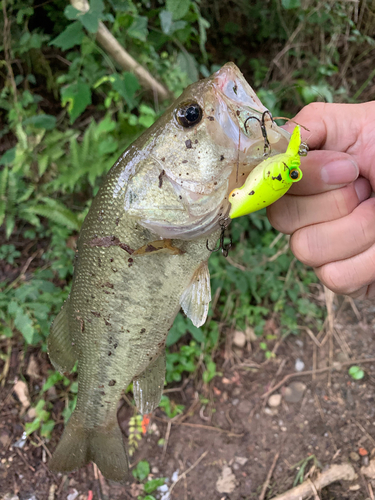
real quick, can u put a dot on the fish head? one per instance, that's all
(203, 146)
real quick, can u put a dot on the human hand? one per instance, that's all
(329, 213)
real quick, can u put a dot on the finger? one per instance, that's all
(293, 212)
(319, 244)
(366, 292)
(323, 171)
(350, 275)
(335, 127)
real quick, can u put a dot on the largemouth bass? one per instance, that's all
(142, 254)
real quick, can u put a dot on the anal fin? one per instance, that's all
(148, 386)
(197, 296)
(60, 349)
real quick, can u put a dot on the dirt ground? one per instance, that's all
(237, 433)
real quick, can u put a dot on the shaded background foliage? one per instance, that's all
(67, 111)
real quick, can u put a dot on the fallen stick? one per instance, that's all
(343, 472)
(123, 58)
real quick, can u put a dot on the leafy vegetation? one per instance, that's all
(67, 111)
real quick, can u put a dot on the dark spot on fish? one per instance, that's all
(128, 331)
(150, 248)
(99, 262)
(180, 197)
(82, 323)
(221, 157)
(109, 353)
(109, 241)
(278, 178)
(211, 118)
(102, 393)
(235, 90)
(163, 159)
(179, 175)
(107, 322)
(251, 193)
(196, 141)
(117, 221)
(130, 264)
(143, 330)
(130, 260)
(89, 320)
(97, 314)
(184, 161)
(100, 386)
(238, 112)
(107, 292)
(110, 260)
(215, 183)
(108, 284)
(93, 296)
(187, 173)
(112, 382)
(115, 345)
(161, 178)
(188, 144)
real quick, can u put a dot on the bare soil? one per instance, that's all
(334, 420)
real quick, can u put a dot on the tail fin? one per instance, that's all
(102, 445)
(295, 142)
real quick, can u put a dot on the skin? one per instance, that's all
(331, 213)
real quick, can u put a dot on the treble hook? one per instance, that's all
(224, 249)
(263, 129)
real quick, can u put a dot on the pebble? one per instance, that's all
(241, 460)
(354, 456)
(226, 482)
(274, 400)
(239, 339)
(73, 495)
(294, 392)
(299, 366)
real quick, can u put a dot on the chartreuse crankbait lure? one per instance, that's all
(269, 180)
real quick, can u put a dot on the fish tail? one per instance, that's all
(102, 445)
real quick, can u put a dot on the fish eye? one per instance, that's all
(295, 174)
(189, 114)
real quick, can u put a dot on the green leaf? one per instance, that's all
(71, 36)
(291, 4)
(356, 372)
(142, 470)
(188, 65)
(24, 324)
(47, 122)
(178, 8)
(126, 85)
(166, 21)
(52, 380)
(8, 157)
(71, 13)
(151, 485)
(138, 28)
(47, 428)
(78, 97)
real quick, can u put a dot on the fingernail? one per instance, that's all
(339, 172)
(362, 188)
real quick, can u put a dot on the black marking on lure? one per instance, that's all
(278, 178)
(223, 223)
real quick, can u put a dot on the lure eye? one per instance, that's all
(189, 114)
(295, 174)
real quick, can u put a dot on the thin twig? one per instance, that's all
(167, 434)
(184, 474)
(310, 372)
(269, 475)
(200, 426)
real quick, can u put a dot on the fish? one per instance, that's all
(142, 254)
(269, 180)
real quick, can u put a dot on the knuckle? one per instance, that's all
(342, 201)
(332, 277)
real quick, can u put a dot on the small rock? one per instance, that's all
(250, 334)
(33, 368)
(294, 392)
(241, 460)
(354, 456)
(155, 470)
(299, 366)
(239, 339)
(369, 471)
(274, 400)
(235, 402)
(73, 495)
(227, 481)
(174, 476)
(10, 496)
(22, 393)
(354, 487)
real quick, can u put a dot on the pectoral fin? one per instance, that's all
(158, 246)
(148, 386)
(197, 296)
(60, 348)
